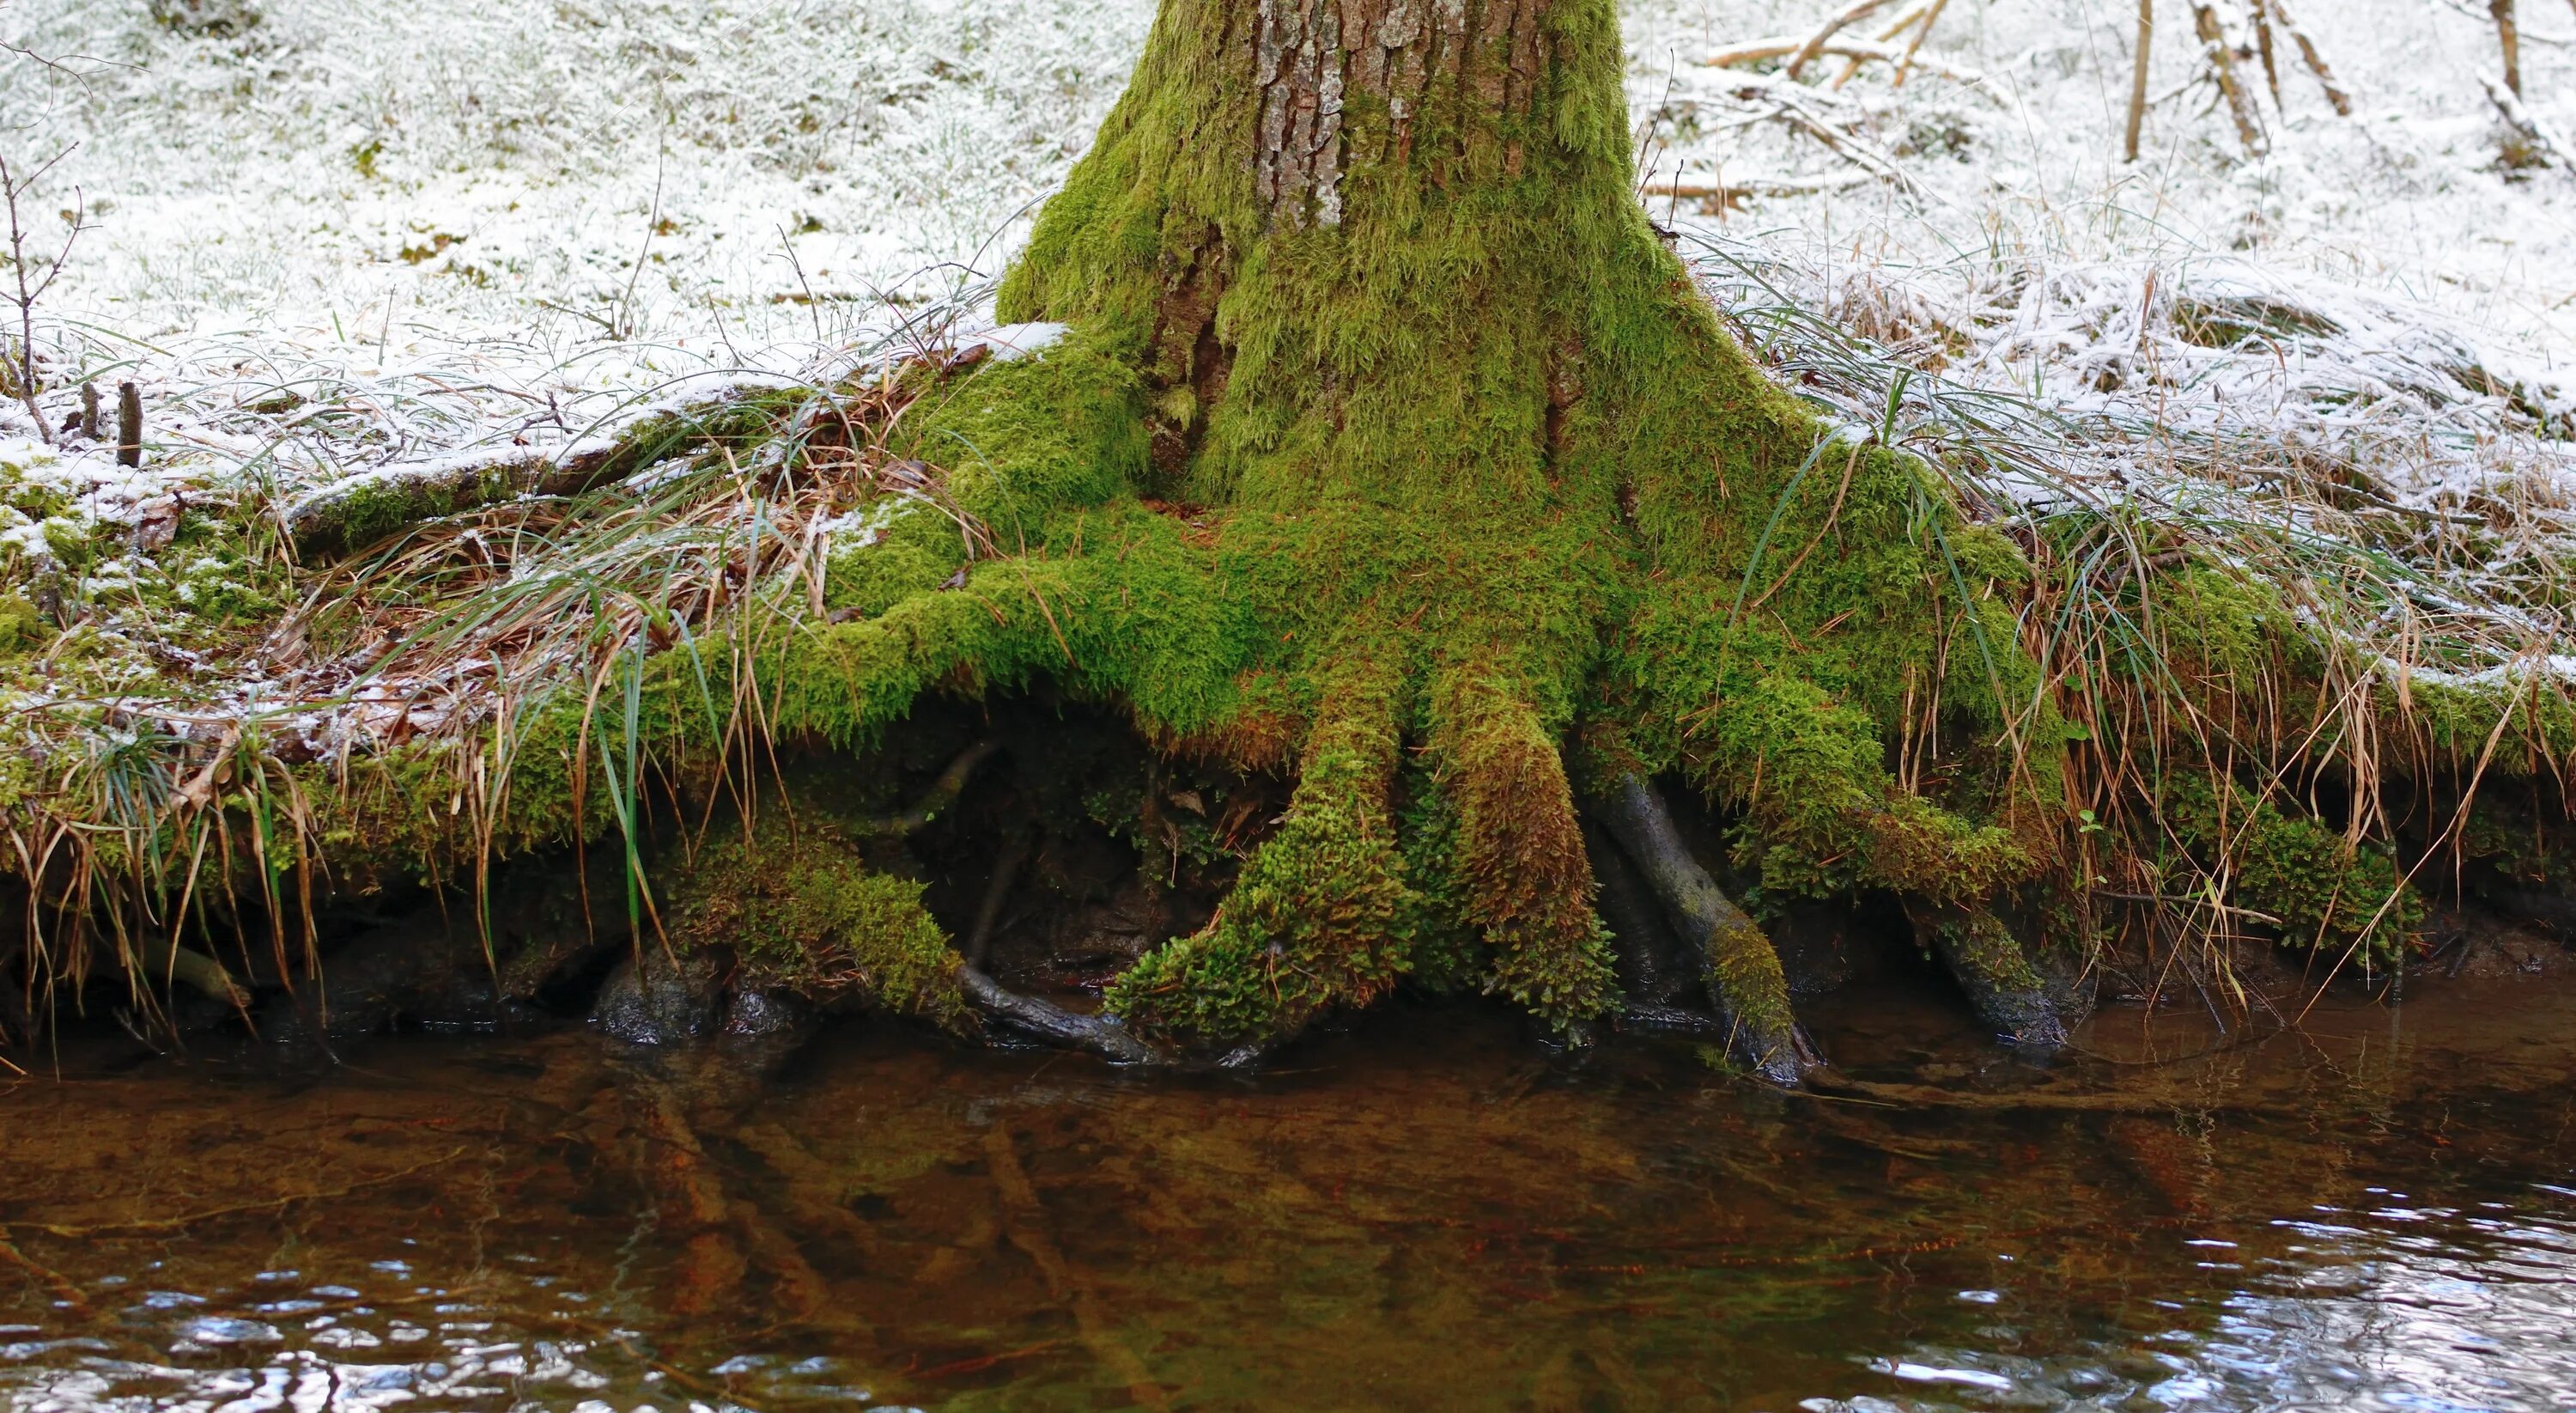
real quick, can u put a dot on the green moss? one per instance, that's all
(802, 913)
(1317, 919)
(1744, 969)
(21, 626)
(868, 578)
(2323, 891)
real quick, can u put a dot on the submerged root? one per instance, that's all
(1042, 1020)
(1742, 971)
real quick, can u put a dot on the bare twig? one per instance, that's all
(1834, 24)
(2509, 36)
(1922, 31)
(1755, 51)
(2261, 17)
(2138, 79)
(32, 287)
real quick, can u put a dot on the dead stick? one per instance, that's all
(2138, 77)
(1931, 17)
(1815, 45)
(2221, 50)
(129, 425)
(2311, 55)
(2509, 35)
(2262, 19)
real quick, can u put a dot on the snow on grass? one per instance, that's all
(347, 235)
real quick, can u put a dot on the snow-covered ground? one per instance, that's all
(677, 167)
(348, 232)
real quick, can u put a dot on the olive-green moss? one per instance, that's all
(1524, 879)
(1744, 972)
(802, 913)
(1317, 918)
(2323, 891)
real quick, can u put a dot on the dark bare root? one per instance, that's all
(1040, 1020)
(1742, 972)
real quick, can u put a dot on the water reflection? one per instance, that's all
(1425, 1215)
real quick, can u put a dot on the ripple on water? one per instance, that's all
(1424, 1217)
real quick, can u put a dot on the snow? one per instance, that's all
(352, 238)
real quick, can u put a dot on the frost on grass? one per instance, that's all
(352, 245)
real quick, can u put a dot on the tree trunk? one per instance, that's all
(1478, 460)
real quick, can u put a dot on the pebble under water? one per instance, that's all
(2377, 1209)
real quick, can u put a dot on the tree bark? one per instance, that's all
(2509, 38)
(1459, 425)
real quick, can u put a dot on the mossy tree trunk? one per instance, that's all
(1386, 446)
(1482, 474)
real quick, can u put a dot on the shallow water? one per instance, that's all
(2374, 1211)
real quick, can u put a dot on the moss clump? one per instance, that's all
(2325, 892)
(1319, 916)
(802, 913)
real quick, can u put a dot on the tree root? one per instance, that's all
(934, 801)
(2004, 989)
(1016, 849)
(162, 960)
(1054, 1024)
(1742, 971)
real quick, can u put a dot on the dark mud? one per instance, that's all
(2375, 1210)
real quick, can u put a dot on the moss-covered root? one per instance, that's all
(1524, 880)
(1318, 916)
(2003, 987)
(1743, 973)
(802, 913)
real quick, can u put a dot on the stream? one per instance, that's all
(2374, 1209)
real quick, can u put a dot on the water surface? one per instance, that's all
(2375, 1210)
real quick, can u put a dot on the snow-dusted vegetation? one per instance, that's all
(452, 224)
(337, 243)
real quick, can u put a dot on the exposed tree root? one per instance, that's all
(1027, 1015)
(942, 794)
(2004, 989)
(1737, 963)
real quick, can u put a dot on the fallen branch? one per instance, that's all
(1755, 51)
(1736, 193)
(2540, 141)
(2220, 47)
(2309, 54)
(1814, 44)
(373, 505)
